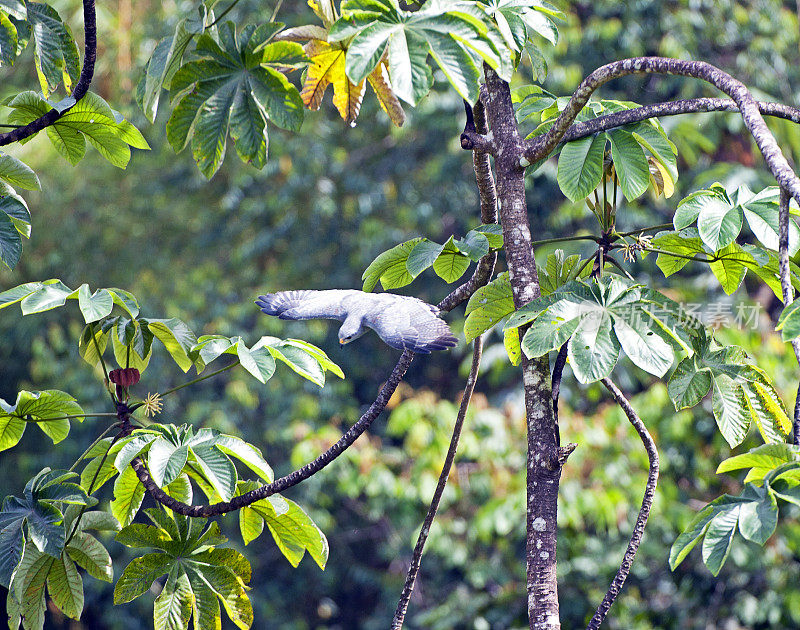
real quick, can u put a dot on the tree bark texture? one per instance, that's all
(543, 465)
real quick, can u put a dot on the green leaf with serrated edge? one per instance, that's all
(392, 263)
(128, 496)
(231, 87)
(176, 336)
(512, 345)
(247, 454)
(451, 263)
(91, 555)
(580, 166)
(474, 244)
(630, 163)
(217, 468)
(718, 538)
(688, 384)
(139, 575)
(422, 256)
(487, 306)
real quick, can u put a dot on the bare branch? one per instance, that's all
(672, 108)
(558, 371)
(748, 106)
(81, 87)
(644, 512)
(416, 558)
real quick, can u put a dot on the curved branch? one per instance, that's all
(292, 479)
(644, 512)
(416, 558)
(81, 87)
(748, 106)
(672, 108)
(555, 386)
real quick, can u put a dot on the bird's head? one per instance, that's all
(350, 330)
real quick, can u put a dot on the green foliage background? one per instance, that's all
(328, 200)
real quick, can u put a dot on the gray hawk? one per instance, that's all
(405, 323)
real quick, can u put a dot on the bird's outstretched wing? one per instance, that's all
(410, 324)
(304, 304)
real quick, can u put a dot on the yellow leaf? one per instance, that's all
(327, 67)
(379, 80)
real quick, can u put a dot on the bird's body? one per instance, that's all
(402, 322)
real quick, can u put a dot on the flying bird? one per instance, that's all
(405, 323)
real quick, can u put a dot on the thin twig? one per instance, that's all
(416, 558)
(81, 87)
(558, 372)
(93, 444)
(200, 378)
(644, 512)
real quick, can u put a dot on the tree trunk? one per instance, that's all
(544, 461)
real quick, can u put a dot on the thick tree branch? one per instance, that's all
(416, 558)
(81, 87)
(672, 108)
(540, 147)
(787, 291)
(644, 512)
(555, 385)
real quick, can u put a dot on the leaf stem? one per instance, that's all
(93, 444)
(564, 239)
(223, 14)
(102, 362)
(661, 226)
(198, 379)
(78, 415)
(655, 250)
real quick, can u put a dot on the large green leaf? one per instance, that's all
(580, 166)
(451, 263)
(487, 306)
(55, 51)
(16, 173)
(390, 267)
(15, 223)
(630, 163)
(199, 575)
(458, 35)
(598, 320)
(46, 408)
(235, 86)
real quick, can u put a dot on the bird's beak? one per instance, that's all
(341, 342)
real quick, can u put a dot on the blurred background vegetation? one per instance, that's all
(328, 201)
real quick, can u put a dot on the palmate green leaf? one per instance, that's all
(458, 36)
(166, 59)
(390, 267)
(247, 454)
(718, 538)
(761, 460)
(216, 468)
(26, 597)
(598, 320)
(55, 51)
(166, 461)
(94, 306)
(685, 244)
(758, 518)
(176, 336)
(731, 266)
(558, 270)
(40, 407)
(580, 166)
(630, 163)
(258, 361)
(65, 586)
(487, 306)
(199, 576)
(85, 550)
(475, 245)
(233, 86)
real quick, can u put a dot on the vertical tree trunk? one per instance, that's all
(544, 461)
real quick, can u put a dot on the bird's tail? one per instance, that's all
(277, 303)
